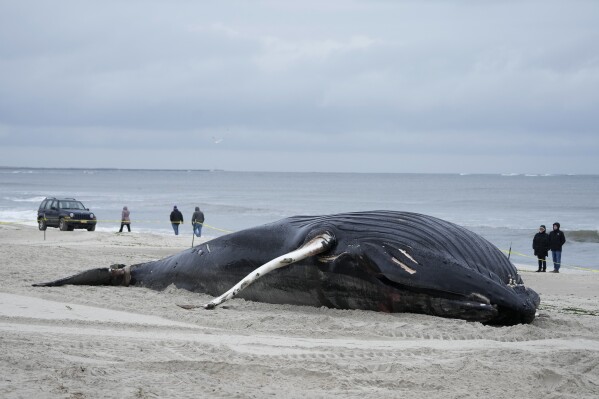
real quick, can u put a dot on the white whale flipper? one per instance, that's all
(315, 246)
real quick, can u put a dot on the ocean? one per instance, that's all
(505, 209)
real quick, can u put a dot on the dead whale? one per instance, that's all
(385, 261)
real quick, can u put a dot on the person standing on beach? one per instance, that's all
(125, 220)
(540, 244)
(557, 239)
(176, 219)
(197, 221)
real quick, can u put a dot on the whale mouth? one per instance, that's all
(465, 309)
(520, 309)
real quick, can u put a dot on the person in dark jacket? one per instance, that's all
(176, 219)
(540, 244)
(197, 221)
(557, 239)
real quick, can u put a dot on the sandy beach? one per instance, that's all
(117, 342)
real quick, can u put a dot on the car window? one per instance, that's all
(49, 205)
(71, 205)
(43, 204)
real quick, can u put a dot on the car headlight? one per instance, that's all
(72, 214)
(91, 215)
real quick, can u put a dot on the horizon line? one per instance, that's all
(506, 174)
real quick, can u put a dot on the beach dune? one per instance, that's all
(119, 342)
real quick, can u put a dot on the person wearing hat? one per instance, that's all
(540, 244)
(176, 219)
(556, 241)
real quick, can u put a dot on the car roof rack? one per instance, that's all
(56, 198)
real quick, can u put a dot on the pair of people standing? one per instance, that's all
(197, 220)
(542, 243)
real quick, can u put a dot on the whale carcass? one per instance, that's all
(386, 261)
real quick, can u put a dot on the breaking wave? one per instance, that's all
(30, 199)
(583, 235)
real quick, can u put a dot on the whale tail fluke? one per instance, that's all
(113, 275)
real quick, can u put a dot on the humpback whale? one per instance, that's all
(388, 261)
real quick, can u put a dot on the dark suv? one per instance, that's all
(66, 214)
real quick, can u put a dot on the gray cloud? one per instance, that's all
(437, 83)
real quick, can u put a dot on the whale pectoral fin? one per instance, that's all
(317, 245)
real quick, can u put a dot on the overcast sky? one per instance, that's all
(342, 86)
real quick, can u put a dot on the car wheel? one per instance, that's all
(62, 225)
(41, 224)
(91, 228)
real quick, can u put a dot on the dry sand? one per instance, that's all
(117, 342)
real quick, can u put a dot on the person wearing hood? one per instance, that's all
(197, 221)
(125, 220)
(556, 241)
(176, 219)
(540, 244)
